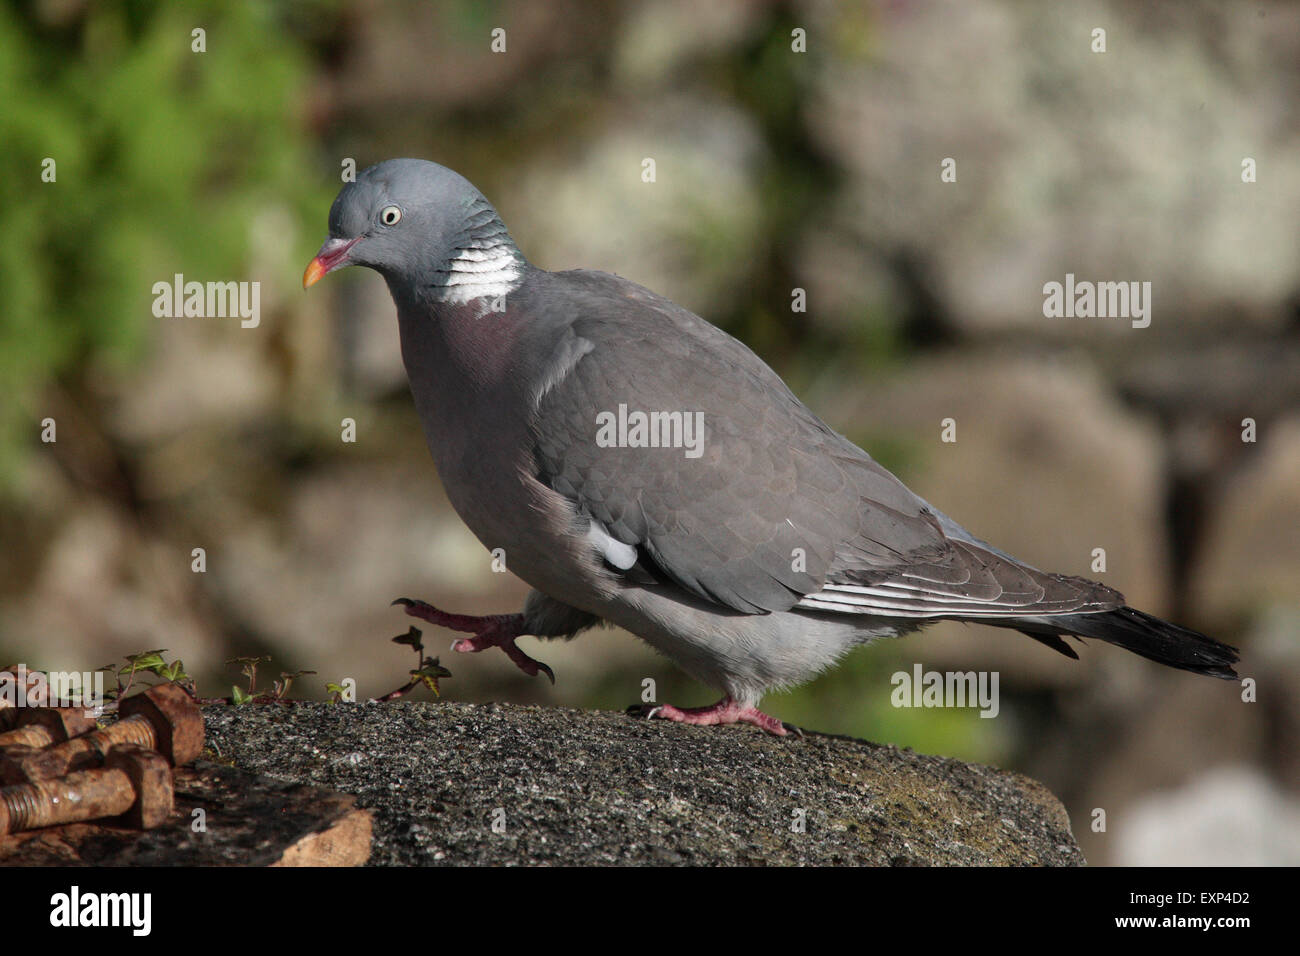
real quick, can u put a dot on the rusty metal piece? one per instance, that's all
(9, 713)
(150, 774)
(42, 726)
(135, 784)
(163, 718)
(175, 718)
(15, 755)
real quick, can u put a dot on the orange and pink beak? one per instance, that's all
(333, 255)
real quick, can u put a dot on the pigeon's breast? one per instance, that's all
(474, 415)
(535, 530)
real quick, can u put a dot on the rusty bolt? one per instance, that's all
(42, 726)
(9, 713)
(163, 718)
(135, 784)
(15, 755)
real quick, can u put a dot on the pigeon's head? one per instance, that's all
(411, 221)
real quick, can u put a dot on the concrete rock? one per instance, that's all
(589, 787)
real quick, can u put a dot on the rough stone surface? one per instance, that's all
(577, 787)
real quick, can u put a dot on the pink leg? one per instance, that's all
(493, 630)
(725, 711)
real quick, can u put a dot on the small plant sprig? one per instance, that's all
(146, 662)
(279, 688)
(427, 672)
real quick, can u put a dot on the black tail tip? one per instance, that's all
(1157, 640)
(1222, 671)
(1182, 647)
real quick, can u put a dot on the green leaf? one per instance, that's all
(429, 674)
(146, 661)
(411, 638)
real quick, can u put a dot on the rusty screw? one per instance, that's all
(9, 713)
(42, 726)
(163, 718)
(135, 784)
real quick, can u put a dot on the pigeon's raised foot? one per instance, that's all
(492, 630)
(725, 711)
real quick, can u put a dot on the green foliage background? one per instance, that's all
(157, 161)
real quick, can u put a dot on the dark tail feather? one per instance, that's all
(1142, 634)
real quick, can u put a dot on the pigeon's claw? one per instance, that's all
(528, 665)
(492, 630)
(725, 711)
(505, 641)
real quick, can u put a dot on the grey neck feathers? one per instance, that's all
(484, 260)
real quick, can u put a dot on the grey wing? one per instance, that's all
(968, 580)
(777, 511)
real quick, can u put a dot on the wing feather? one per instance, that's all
(777, 511)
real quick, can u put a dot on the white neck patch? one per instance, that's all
(479, 273)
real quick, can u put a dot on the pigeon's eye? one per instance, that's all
(390, 216)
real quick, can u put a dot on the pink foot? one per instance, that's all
(493, 630)
(725, 711)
